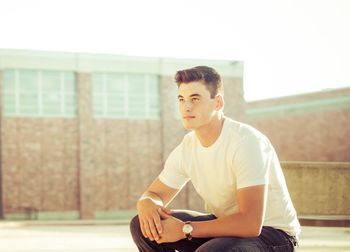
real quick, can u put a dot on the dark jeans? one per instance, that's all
(270, 239)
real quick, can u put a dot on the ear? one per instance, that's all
(219, 102)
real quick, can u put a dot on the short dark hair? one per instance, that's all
(207, 75)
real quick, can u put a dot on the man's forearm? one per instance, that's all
(246, 223)
(233, 225)
(151, 196)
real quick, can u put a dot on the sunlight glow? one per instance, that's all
(288, 47)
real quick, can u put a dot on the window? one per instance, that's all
(39, 93)
(126, 96)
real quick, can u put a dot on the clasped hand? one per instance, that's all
(157, 223)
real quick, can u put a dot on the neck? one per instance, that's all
(209, 133)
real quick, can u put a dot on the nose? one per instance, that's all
(188, 106)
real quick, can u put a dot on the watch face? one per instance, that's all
(187, 228)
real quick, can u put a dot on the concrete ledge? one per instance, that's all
(319, 188)
(316, 165)
(325, 220)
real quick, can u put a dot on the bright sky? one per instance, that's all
(288, 46)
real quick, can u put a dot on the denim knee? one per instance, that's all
(211, 248)
(231, 244)
(135, 228)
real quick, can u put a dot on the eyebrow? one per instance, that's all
(192, 95)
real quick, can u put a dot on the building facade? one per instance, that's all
(307, 127)
(83, 135)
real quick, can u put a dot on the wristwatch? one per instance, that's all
(187, 229)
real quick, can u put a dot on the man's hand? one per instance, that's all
(149, 218)
(172, 228)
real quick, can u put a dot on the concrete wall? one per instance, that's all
(319, 188)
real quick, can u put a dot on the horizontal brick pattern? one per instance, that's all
(124, 156)
(39, 164)
(118, 158)
(321, 135)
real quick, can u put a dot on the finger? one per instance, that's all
(153, 230)
(148, 231)
(142, 227)
(160, 240)
(167, 210)
(163, 214)
(156, 220)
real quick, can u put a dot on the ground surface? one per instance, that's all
(107, 237)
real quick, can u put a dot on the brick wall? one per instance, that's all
(39, 164)
(91, 165)
(118, 158)
(311, 127)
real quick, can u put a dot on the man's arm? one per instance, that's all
(154, 198)
(246, 223)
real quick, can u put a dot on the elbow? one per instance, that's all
(254, 229)
(255, 224)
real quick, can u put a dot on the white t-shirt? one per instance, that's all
(240, 157)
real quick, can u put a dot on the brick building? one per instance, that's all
(307, 127)
(82, 135)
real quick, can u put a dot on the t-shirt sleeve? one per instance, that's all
(251, 162)
(173, 173)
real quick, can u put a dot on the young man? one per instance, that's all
(235, 170)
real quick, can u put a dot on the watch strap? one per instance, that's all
(188, 235)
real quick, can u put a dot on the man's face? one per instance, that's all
(196, 107)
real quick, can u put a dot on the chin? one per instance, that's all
(188, 126)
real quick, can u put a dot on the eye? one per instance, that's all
(195, 99)
(181, 100)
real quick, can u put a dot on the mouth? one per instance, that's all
(188, 117)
